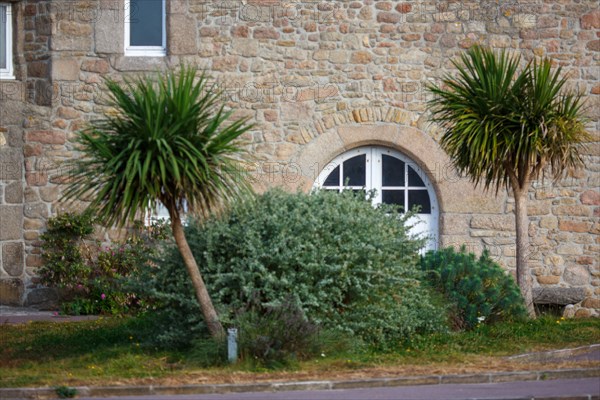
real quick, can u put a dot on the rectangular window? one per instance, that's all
(145, 28)
(6, 44)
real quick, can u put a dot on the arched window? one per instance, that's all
(396, 180)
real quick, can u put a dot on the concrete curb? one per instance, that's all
(495, 377)
(544, 356)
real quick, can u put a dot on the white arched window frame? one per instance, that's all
(395, 178)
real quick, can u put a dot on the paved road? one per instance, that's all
(575, 388)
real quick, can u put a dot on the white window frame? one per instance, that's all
(161, 214)
(8, 72)
(145, 51)
(424, 225)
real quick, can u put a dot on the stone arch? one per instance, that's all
(366, 115)
(408, 133)
(412, 142)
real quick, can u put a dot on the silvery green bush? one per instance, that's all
(347, 265)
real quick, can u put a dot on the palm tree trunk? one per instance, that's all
(522, 228)
(208, 310)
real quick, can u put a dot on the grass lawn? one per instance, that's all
(107, 352)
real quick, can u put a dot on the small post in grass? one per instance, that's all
(232, 347)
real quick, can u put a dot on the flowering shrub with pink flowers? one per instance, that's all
(91, 278)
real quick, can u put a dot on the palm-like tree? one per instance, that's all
(504, 128)
(167, 140)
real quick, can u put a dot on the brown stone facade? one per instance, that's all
(318, 78)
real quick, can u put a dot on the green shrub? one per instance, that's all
(207, 351)
(65, 264)
(479, 289)
(90, 277)
(346, 265)
(277, 336)
(173, 308)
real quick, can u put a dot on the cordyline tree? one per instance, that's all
(168, 140)
(505, 126)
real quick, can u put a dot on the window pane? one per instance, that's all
(419, 198)
(334, 178)
(355, 171)
(146, 19)
(414, 179)
(3, 41)
(393, 197)
(392, 171)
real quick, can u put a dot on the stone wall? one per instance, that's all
(11, 202)
(319, 78)
(26, 108)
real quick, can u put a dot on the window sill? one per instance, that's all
(145, 52)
